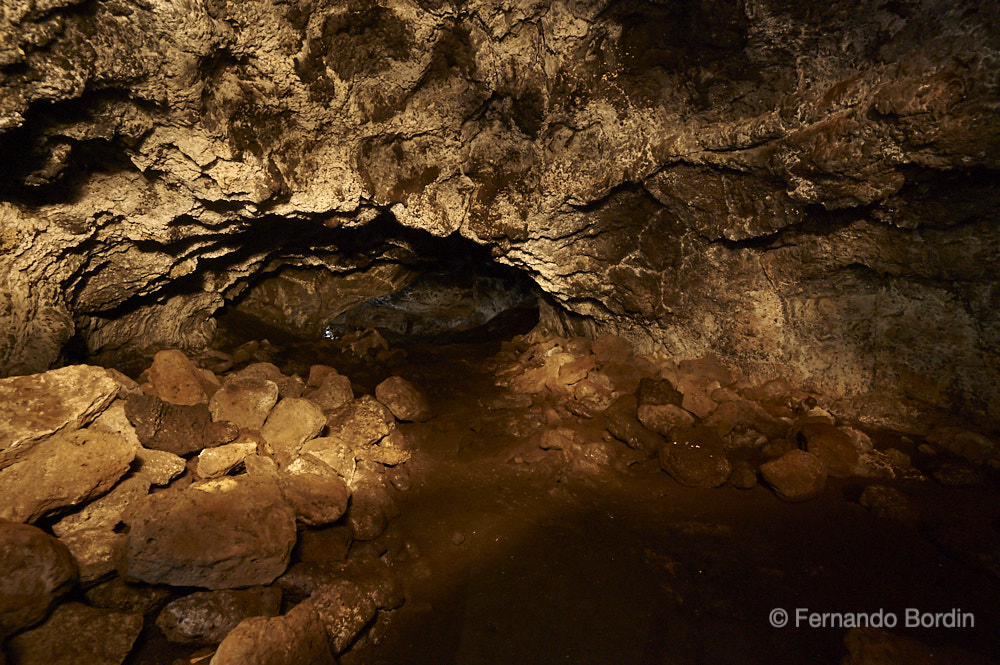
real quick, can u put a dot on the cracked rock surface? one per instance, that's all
(805, 190)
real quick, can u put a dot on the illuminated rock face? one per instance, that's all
(804, 190)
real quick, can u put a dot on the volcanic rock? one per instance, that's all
(795, 476)
(76, 634)
(37, 569)
(245, 402)
(403, 399)
(290, 424)
(836, 449)
(292, 639)
(696, 457)
(206, 617)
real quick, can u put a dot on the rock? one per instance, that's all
(215, 462)
(696, 457)
(371, 574)
(664, 418)
(318, 498)
(795, 476)
(968, 445)
(206, 617)
(258, 466)
(611, 348)
(658, 392)
(293, 639)
(592, 395)
(959, 474)
(176, 379)
(334, 392)
(403, 399)
(75, 634)
(371, 507)
(345, 610)
(39, 405)
(326, 545)
(157, 466)
(576, 370)
(290, 424)
(624, 377)
(245, 402)
(225, 533)
(97, 551)
(117, 594)
(875, 646)
(318, 374)
(708, 366)
(62, 471)
(590, 458)
(770, 391)
(743, 476)
(836, 449)
(625, 426)
(742, 415)
(171, 428)
(392, 450)
(360, 423)
(114, 420)
(558, 438)
(105, 512)
(37, 570)
(888, 502)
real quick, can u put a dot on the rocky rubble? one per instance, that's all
(185, 480)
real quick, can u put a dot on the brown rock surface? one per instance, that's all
(176, 379)
(404, 399)
(292, 639)
(244, 402)
(225, 533)
(696, 457)
(37, 569)
(76, 634)
(292, 422)
(206, 617)
(795, 476)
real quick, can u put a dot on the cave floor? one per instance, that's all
(510, 555)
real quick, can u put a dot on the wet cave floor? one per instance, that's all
(508, 554)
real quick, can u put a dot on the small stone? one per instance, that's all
(457, 538)
(39, 405)
(318, 374)
(117, 594)
(105, 512)
(403, 399)
(317, 498)
(399, 477)
(392, 450)
(696, 457)
(334, 392)
(157, 466)
(835, 448)
(658, 392)
(296, 638)
(558, 438)
(75, 634)
(663, 418)
(245, 402)
(344, 610)
(180, 430)
(215, 462)
(206, 617)
(795, 476)
(290, 424)
(62, 471)
(176, 379)
(224, 533)
(37, 570)
(97, 551)
(743, 476)
(959, 474)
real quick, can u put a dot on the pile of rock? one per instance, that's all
(189, 479)
(706, 424)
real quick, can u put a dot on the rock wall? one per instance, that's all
(796, 186)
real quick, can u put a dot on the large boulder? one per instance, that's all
(36, 406)
(62, 471)
(795, 476)
(244, 401)
(292, 639)
(206, 617)
(76, 634)
(403, 399)
(37, 569)
(696, 457)
(218, 534)
(176, 380)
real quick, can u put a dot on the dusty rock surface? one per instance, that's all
(37, 569)
(404, 399)
(293, 638)
(76, 633)
(218, 534)
(206, 617)
(795, 476)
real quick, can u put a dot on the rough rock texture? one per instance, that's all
(218, 534)
(790, 185)
(345, 610)
(37, 569)
(404, 399)
(37, 406)
(795, 476)
(62, 471)
(207, 617)
(291, 639)
(75, 634)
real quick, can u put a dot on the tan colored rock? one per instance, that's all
(696, 457)
(334, 392)
(76, 634)
(795, 476)
(244, 402)
(62, 471)
(37, 570)
(836, 449)
(336, 453)
(97, 551)
(293, 639)
(362, 422)
(157, 466)
(36, 406)
(292, 422)
(663, 418)
(392, 450)
(318, 374)
(206, 617)
(319, 497)
(218, 461)
(105, 512)
(345, 610)
(224, 533)
(176, 380)
(404, 399)
(117, 594)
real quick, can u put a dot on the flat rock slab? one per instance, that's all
(795, 476)
(293, 639)
(76, 634)
(37, 569)
(206, 617)
(218, 534)
(39, 405)
(63, 471)
(105, 512)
